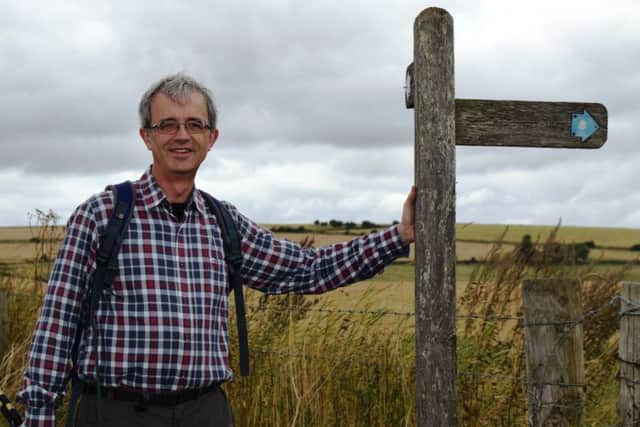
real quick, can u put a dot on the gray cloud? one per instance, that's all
(318, 85)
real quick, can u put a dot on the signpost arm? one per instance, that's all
(434, 108)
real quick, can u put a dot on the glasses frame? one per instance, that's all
(156, 127)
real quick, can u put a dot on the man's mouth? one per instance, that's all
(180, 150)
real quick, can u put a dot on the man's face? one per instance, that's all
(182, 153)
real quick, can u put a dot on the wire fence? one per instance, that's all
(609, 310)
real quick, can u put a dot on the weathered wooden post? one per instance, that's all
(552, 312)
(629, 354)
(441, 123)
(435, 219)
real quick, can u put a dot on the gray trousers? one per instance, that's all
(209, 410)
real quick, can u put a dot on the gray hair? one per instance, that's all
(177, 87)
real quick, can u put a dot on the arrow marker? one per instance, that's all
(583, 125)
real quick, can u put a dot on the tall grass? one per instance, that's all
(314, 365)
(492, 373)
(325, 368)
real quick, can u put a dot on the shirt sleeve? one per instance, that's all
(47, 366)
(278, 266)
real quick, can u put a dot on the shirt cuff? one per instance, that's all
(392, 246)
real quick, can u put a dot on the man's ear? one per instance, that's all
(213, 138)
(146, 138)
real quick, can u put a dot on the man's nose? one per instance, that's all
(182, 132)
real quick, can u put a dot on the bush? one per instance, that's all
(553, 252)
(368, 224)
(289, 229)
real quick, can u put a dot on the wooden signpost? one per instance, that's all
(441, 123)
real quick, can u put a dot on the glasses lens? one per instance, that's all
(195, 126)
(167, 126)
(170, 126)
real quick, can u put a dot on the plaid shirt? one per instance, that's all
(163, 326)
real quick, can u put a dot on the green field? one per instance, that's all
(602, 236)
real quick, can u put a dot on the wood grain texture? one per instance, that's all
(552, 312)
(434, 113)
(629, 352)
(525, 123)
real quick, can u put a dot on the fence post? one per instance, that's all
(552, 312)
(434, 113)
(629, 354)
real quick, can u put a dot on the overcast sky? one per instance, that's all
(312, 117)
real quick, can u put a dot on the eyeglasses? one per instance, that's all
(171, 126)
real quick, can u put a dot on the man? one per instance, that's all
(160, 335)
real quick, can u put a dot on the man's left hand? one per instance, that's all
(406, 228)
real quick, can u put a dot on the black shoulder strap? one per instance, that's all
(105, 273)
(232, 244)
(108, 248)
(107, 256)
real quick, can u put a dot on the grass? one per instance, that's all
(334, 359)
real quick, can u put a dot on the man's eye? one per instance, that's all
(195, 124)
(166, 125)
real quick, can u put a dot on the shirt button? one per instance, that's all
(182, 265)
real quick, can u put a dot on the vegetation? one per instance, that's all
(555, 252)
(492, 373)
(347, 358)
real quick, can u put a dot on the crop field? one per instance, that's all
(20, 244)
(622, 238)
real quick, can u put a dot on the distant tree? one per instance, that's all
(526, 250)
(581, 252)
(335, 223)
(559, 253)
(368, 224)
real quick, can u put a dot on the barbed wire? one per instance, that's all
(627, 362)
(627, 379)
(633, 308)
(330, 310)
(473, 316)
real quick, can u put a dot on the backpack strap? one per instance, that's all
(232, 245)
(104, 275)
(107, 256)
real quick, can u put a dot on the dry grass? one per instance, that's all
(492, 373)
(323, 361)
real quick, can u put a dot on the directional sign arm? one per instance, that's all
(528, 124)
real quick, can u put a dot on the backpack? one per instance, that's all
(107, 268)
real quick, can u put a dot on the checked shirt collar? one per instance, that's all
(153, 197)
